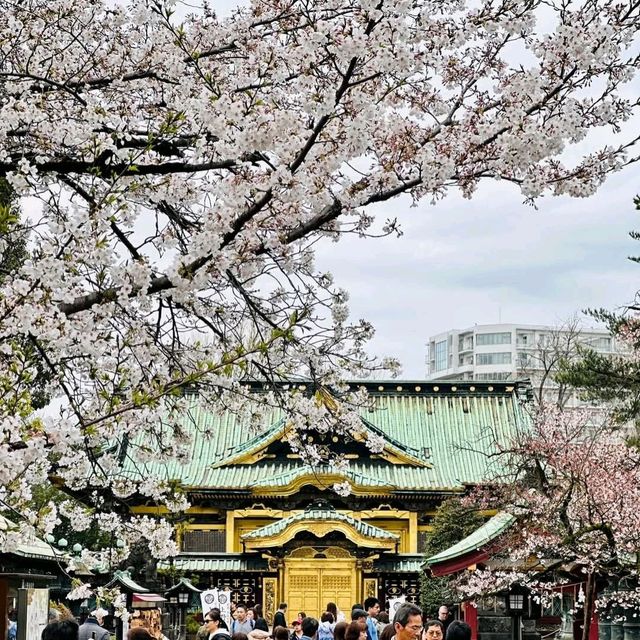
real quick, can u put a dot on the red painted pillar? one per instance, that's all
(470, 613)
(593, 629)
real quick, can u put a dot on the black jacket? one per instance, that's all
(279, 620)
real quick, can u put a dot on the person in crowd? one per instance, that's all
(433, 630)
(92, 626)
(356, 631)
(458, 630)
(327, 625)
(383, 621)
(309, 628)
(387, 633)
(296, 632)
(223, 623)
(301, 616)
(60, 630)
(259, 621)
(444, 617)
(242, 623)
(407, 622)
(372, 607)
(359, 615)
(280, 617)
(212, 625)
(339, 630)
(338, 616)
(280, 633)
(139, 633)
(12, 625)
(357, 606)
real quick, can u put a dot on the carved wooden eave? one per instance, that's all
(320, 522)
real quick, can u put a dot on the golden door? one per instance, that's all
(310, 583)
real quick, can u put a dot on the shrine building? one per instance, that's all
(271, 529)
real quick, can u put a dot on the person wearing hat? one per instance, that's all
(359, 615)
(93, 625)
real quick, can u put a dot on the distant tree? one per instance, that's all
(453, 521)
(541, 361)
(612, 379)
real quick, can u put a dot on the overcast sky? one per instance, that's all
(490, 259)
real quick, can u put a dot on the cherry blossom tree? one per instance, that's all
(574, 488)
(185, 169)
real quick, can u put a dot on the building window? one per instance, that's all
(498, 375)
(483, 339)
(204, 540)
(493, 358)
(559, 604)
(441, 355)
(423, 539)
(601, 344)
(524, 359)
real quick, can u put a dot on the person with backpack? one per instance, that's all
(242, 623)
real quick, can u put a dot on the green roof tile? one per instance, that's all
(401, 563)
(490, 530)
(123, 579)
(32, 547)
(452, 429)
(203, 562)
(315, 515)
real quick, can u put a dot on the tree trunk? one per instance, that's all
(588, 606)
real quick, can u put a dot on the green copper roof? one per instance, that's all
(315, 515)
(229, 562)
(490, 530)
(123, 579)
(181, 585)
(278, 429)
(449, 425)
(294, 472)
(401, 563)
(33, 547)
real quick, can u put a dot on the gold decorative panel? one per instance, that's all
(269, 599)
(303, 552)
(369, 588)
(311, 583)
(303, 592)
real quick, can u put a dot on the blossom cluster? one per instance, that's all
(573, 483)
(185, 170)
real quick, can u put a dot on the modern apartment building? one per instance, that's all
(512, 351)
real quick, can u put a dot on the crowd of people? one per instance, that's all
(365, 622)
(90, 629)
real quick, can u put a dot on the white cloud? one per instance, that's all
(492, 258)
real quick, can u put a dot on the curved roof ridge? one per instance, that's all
(321, 514)
(490, 530)
(297, 472)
